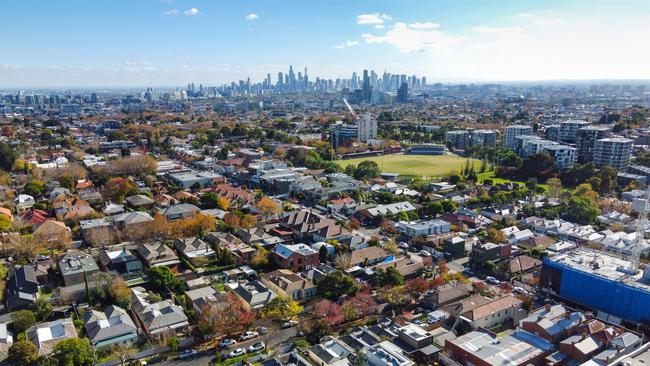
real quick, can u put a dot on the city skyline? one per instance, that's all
(173, 42)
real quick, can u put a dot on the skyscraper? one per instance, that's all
(403, 92)
(365, 86)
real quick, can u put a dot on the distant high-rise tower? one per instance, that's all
(403, 92)
(365, 87)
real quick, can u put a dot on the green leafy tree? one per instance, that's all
(22, 353)
(173, 343)
(7, 157)
(34, 188)
(335, 285)
(367, 170)
(74, 352)
(581, 210)
(22, 320)
(162, 278)
(41, 308)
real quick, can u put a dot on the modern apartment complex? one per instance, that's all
(511, 133)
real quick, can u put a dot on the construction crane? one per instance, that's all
(354, 114)
(642, 206)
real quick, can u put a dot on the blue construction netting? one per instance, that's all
(600, 293)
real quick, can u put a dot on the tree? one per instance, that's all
(74, 352)
(329, 312)
(249, 221)
(34, 188)
(222, 203)
(417, 286)
(434, 208)
(163, 279)
(358, 358)
(67, 181)
(5, 223)
(281, 307)
(261, 257)
(121, 293)
(267, 208)
(7, 157)
(316, 330)
(226, 316)
(101, 284)
(387, 277)
(495, 236)
(449, 206)
(322, 253)
(173, 343)
(554, 187)
(395, 296)
(581, 210)
(366, 170)
(117, 188)
(585, 190)
(335, 285)
(22, 353)
(360, 305)
(22, 320)
(41, 308)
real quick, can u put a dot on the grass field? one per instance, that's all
(417, 165)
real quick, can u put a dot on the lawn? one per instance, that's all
(416, 165)
(496, 180)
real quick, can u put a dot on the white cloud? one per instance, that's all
(379, 26)
(426, 25)
(410, 38)
(252, 16)
(373, 18)
(192, 11)
(171, 12)
(346, 44)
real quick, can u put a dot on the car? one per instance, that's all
(289, 324)
(492, 280)
(256, 347)
(262, 330)
(424, 253)
(248, 335)
(519, 290)
(227, 342)
(237, 352)
(403, 245)
(187, 354)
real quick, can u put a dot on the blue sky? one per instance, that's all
(172, 42)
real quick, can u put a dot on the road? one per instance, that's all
(272, 339)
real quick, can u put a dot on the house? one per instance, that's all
(504, 311)
(488, 252)
(98, 232)
(514, 235)
(332, 352)
(306, 225)
(254, 293)
(286, 283)
(77, 267)
(253, 236)
(24, 202)
(423, 228)
(446, 294)
(368, 256)
(193, 247)
(6, 340)
(200, 297)
(112, 327)
(53, 231)
(47, 335)
(69, 208)
(417, 344)
(369, 214)
(160, 319)
(22, 288)
(132, 220)
(297, 257)
(180, 211)
(242, 253)
(112, 209)
(121, 262)
(387, 353)
(455, 246)
(157, 254)
(34, 217)
(523, 264)
(481, 348)
(139, 201)
(552, 322)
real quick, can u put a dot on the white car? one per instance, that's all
(256, 347)
(402, 245)
(519, 290)
(424, 253)
(492, 280)
(227, 342)
(289, 324)
(248, 335)
(237, 352)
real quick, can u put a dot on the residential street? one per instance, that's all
(273, 338)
